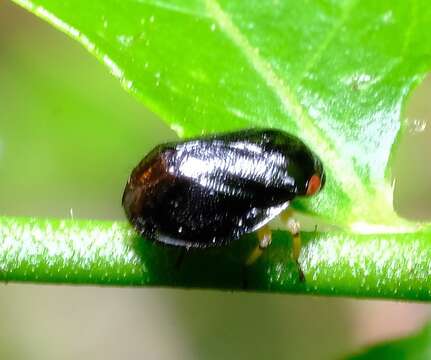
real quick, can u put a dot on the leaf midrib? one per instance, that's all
(343, 171)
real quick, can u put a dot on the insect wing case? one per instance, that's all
(208, 191)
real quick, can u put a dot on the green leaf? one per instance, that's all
(416, 347)
(336, 74)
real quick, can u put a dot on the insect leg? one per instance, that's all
(264, 235)
(180, 258)
(294, 228)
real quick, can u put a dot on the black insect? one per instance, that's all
(211, 190)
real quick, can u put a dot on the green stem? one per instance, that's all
(110, 253)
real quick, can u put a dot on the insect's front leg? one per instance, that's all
(294, 227)
(264, 235)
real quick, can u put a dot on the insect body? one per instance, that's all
(211, 190)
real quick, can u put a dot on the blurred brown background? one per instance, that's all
(59, 109)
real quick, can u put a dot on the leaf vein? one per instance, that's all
(328, 40)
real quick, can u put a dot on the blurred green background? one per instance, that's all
(69, 136)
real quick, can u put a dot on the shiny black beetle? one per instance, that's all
(211, 190)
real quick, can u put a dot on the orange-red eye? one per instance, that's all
(313, 185)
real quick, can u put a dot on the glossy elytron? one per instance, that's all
(211, 190)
